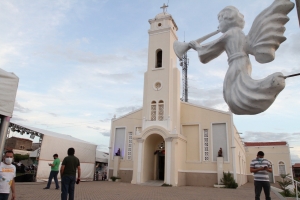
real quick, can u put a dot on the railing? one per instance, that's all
(295, 183)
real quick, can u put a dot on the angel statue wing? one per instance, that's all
(266, 33)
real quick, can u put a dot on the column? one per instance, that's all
(220, 161)
(140, 153)
(168, 159)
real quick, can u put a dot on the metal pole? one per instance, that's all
(3, 132)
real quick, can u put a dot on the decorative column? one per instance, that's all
(168, 159)
(140, 153)
(220, 161)
(116, 165)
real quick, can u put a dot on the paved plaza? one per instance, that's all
(125, 191)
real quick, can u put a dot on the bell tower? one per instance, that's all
(161, 104)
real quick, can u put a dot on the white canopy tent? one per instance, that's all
(8, 90)
(59, 143)
(101, 156)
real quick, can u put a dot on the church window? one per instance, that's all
(153, 111)
(158, 58)
(161, 110)
(281, 168)
(205, 140)
(138, 130)
(129, 149)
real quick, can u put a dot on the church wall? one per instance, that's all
(129, 122)
(240, 159)
(126, 175)
(201, 179)
(200, 169)
(204, 118)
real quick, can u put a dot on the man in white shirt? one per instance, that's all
(7, 175)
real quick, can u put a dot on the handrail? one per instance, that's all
(295, 183)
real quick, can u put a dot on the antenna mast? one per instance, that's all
(184, 62)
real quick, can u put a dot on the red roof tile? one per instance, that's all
(265, 143)
(296, 165)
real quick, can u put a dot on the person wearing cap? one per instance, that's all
(53, 172)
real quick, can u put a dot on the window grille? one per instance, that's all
(206, 147)
(153, 111)
(161, 110)
(129, 149)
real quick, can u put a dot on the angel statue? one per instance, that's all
(244, 95)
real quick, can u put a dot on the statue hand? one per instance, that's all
(194, 45)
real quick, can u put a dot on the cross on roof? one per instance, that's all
(164, 7)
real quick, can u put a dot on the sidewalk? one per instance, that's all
(106, 190)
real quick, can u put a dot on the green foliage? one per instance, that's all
(229, 181)
(19, 157)
(166, 185)
(114, 178)
(284, 185)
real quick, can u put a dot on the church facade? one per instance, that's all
(170, 140)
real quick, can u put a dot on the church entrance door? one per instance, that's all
(161, 166)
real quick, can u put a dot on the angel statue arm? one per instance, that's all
(244, 95)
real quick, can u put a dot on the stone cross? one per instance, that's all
(164, 7)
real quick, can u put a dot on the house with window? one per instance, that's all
(173, 141)
(296, 170)
(278, 153)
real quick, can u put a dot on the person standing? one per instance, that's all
(68, 175)
(260, 167)
(54, 172)
(7, 175)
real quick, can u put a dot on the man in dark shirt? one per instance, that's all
(68, 175)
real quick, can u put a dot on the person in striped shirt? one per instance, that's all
(261, 168)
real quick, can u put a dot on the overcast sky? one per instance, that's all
(82, 62)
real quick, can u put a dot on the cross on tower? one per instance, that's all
(164, 7)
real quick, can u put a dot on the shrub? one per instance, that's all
(114, 178)
(166, 185)
(284, 185)
(229, 181)
(19, 157)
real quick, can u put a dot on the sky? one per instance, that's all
(82, 62)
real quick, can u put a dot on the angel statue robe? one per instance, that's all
(244, 95)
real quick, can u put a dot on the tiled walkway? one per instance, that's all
(125, 191)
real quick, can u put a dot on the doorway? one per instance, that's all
(161, 166)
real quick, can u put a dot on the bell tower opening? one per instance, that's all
(158, 58)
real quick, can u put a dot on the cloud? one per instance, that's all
(106, 134)
(126, 109)
(53, 114)
(271, 136)
(20, 108)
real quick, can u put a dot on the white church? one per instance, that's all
(178, 142)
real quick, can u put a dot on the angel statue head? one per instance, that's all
(230, 17)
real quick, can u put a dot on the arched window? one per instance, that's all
(153, 111)
(281, 168)
(161, 110)
(158, 58)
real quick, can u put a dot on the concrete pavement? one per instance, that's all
(107, 190)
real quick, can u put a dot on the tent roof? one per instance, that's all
(53, 134)
(101, 156)
(8, 90)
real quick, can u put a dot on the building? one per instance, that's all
(278, 153)
(296, 170)
(174, 141)
(18, 143)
